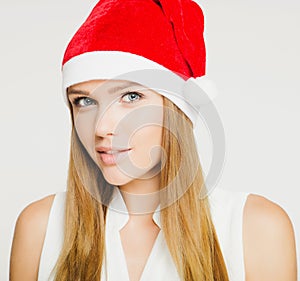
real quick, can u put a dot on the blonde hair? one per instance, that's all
(187, 225)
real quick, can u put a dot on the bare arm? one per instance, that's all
(269, 242)
(28, 240)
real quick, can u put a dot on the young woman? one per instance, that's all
(137, 205)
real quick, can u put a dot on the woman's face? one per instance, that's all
(120, 125)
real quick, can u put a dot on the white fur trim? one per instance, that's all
(199, 91)
(104, 65)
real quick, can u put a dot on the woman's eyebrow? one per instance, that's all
(111, 90)
(77, 92)
(121, 87)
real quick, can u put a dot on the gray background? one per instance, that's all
(252, 49)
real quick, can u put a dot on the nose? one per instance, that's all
(106, 123)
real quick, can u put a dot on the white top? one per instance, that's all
(227, 215)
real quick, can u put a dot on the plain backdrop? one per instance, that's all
(252, 56)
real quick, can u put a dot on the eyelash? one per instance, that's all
(78, 99)
(132, 92)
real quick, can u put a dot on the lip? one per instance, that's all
(111, 156)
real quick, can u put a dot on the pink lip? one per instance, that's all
(107, 148)
(112, 159)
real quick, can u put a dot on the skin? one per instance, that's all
(268, 236)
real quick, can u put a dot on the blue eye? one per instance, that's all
(83, 101)
(131, 97)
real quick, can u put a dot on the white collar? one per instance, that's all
(117, 213)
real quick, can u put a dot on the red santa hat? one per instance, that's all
(157, 43)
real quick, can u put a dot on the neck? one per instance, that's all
(141, 196)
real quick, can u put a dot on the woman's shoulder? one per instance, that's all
(29, 235)
(269, 242)
(256, 230)
(36, 210)
(34, 216)
(259, 209)
(32, 221)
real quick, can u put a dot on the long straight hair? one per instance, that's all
(187, 224)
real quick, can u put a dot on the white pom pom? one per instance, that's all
(199, 91)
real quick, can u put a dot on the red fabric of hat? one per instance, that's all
(168, 32)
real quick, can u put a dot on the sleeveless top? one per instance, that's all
(227, 215)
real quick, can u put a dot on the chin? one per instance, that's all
(116, 179)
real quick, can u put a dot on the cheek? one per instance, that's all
(84, 126)
(147, 137)
(147, 146)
